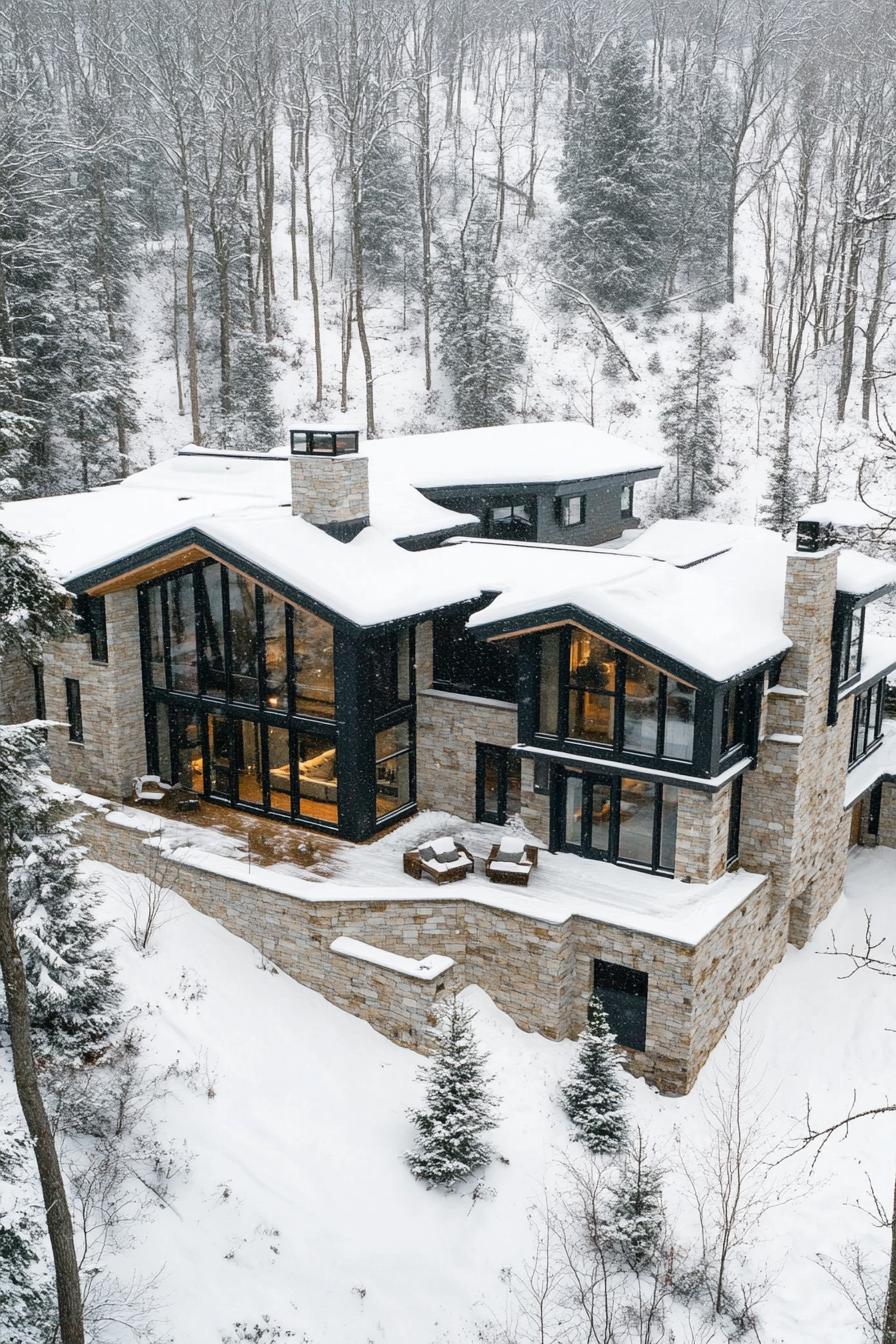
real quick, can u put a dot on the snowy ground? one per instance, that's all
(298, 1206)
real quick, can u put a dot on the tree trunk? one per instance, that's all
(889, 1335)
(874, 323)
(293, 245)
(312, 260)
(359, 302)
(850, 305)
(192, 356)
(175, 337)
(59, 1222)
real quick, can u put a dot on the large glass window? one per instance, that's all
(589, 691)
(163, 742)
(592, 688)
(211, 601)
(187, 738)
(498, 783)
(279, 770)
(851, 654)
(637, 807)
(220, 755)
(313, 681)
(275, 659)
(318, 780)
(182, 633)
(549, 682)
(391, 671)
(681, 713)
(156, 619)
(642, 707)
(867, 721)
(243, 639)
(623, 820)
(248, 762)
(393, 769)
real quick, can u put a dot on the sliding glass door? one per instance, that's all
(622, 820)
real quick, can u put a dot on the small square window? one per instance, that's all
(572, 510)
(73, 709)
(627, 501)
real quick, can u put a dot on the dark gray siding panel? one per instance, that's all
(603, 520)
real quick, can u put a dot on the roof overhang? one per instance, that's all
(564, 486)
(567, 614)
(191, 545)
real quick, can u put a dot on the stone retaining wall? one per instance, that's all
(539, 972)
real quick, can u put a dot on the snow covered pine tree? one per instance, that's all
(691, 423)
(458, 1108)
(636, 1216)
(73, 994)
(594, 1092)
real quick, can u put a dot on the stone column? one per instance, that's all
(792, 821)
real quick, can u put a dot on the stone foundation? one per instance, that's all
(537, 971)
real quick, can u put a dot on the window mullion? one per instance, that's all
(225, 625)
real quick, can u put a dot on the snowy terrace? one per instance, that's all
(281, 858)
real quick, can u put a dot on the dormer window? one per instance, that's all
(323, 442)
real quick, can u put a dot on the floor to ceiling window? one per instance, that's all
(632, 822)
(241, 694)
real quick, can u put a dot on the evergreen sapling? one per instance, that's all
(636, 1216)
(594, 1093)
(690, 421)
(459, 1108)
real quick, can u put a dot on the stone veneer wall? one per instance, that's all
(114, 746)
(329, 489)
(537, 971)
(792, 822)
(17, 703)
(701, 842)
(886, 830)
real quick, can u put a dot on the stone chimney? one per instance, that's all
(328, 479)
(792, 823)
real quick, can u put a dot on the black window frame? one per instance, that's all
(735, 804)
(866, 731)
(623, 993)
(503, 529)
(40, 695)
(850, 640)
(74, 710)
(614, 783)
(504, 757)
(616, 750)
(564, 504)
(627, 501)
(90, 620)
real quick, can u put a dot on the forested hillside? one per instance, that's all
(673, 220)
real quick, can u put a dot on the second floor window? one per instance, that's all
(627, 501)
(572, 510)
(851, 648)
(592, 692)
(867, 721)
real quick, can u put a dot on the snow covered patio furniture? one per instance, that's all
(149, 789)
(511, 862)
(442, 860)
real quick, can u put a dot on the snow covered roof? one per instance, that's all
(843, 513)
(718, 618)
(509, 454)
(859, 574)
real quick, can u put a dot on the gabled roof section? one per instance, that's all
(713, 620)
